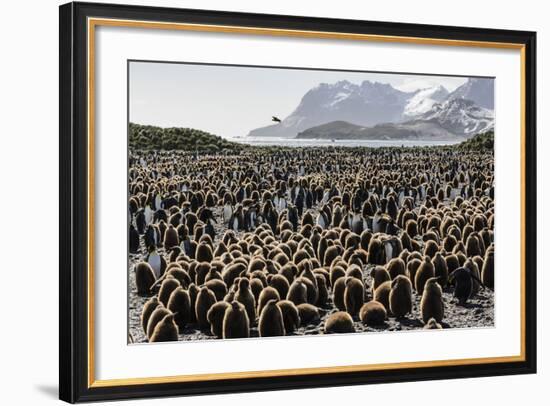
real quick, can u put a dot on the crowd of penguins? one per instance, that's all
(274, 241)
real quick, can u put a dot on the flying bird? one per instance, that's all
(276, 119)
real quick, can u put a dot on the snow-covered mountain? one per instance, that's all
(423, 100)
(461, 117)
(372, 103)
(366, 104)
(480, 91)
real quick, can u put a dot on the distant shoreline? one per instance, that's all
(317, 142)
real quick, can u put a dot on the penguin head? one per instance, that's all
(271, 303)
(169, 318)
(236, 306)
(433, 283)
(244, 283)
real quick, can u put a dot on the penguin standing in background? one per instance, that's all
(293, 217)
(207, 217)
(149, 214)
(281, 203)
(358, 224)
(152, 236)
(250, 218)
(391, 208)
(322, 220)
(309, 199)
(227, 213)
(379, 222)
(187, 246)
(158, 202)
(236, 222)
(140, 221)
(299, 202)
(209, 228)
(156, 261)
(272, 218)
(133, 240)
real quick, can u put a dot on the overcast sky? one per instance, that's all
(230, 101)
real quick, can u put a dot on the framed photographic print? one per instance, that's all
(255, 202)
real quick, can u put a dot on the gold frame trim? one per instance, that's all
(94, 22)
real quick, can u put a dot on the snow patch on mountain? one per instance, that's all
(423, 100)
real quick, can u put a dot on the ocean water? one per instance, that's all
(297, 142)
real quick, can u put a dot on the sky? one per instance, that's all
(230, 101)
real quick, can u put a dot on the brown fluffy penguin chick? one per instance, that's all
(311, 289)
(169, 284)
(205, 299)
(232, 271)
(430, 248)
(204, 252)
(400, 296)
(157, 315)
(297, 293)
(180, 304)
(373, 313)
(271, 320)
(432, 324)
(309, 314)
(280, 283)
(338, 293)
(148, 309)
(165, 330)
(256, 287)
(235, 321)
(355, 271)
(440, 269)
(474, 270)
(431, 304)
(289, 271)
(291, 316)
(412, 267)
(330, 255)
(382, 294)
(266, 295)
(181, 275)
(452, 263)
(145, 278)
(201, 270)
(215, 317)
(354, 295)
(376, 252)
(322, 297)
(424, 272)
(488, 269)
(379, 276)
(244, 295)
(336, 271)
(193, 291)
(339, 322)
(171, 238)
(395, 267)
(218, 287)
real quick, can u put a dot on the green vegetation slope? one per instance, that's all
(147, 137)
(483, 141)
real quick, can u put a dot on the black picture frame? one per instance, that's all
(73, 285)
